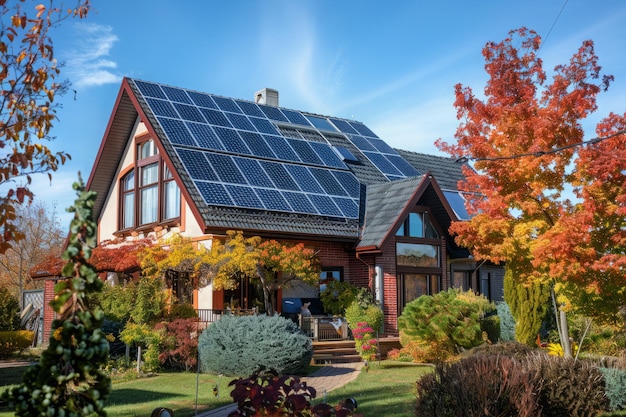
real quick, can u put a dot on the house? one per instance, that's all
(174, 160)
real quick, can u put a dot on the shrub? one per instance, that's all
(426, 352)
(9, 311)
(365, 308)
(337, 296)
(491, 327)
(478, 386)
(450, 319)
(239, 346)
(179, 346)
(570, 388)
(271, 395)
(14, 341)
(615, 387)
(514, 350)
(144, 336)
(507, 322)
(183, 311)
(364, 341)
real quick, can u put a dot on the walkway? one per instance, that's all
(323, 380)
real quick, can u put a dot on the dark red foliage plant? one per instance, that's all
(180, 345)
(270, 395)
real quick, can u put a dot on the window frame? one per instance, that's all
(160, 184)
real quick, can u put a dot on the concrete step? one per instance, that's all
(340, 351)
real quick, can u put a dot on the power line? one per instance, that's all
(553, 25)
(464, 159)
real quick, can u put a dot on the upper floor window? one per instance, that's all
(149, 193)
(418, 225)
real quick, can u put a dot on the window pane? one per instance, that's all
(327, 276)
(149, 204)
(148, 149)
(431, 232)
(172, 200)
(415, 285)
(416, 255)
(416, 225)
(129, 181)
(400, 231)
(128, 210)
(149, 174)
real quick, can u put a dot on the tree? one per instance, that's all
(68, 379)
(29, 85)
(271, 263)
(43, 237)
(524, 138)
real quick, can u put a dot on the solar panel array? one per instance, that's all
(237, 157)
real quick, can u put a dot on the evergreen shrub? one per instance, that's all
(241, 345)
(507, 322)
(365, 309)
(615, 387)
(9, 311)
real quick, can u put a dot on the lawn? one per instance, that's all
(386, 390)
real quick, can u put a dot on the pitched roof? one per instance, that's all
(259, 168)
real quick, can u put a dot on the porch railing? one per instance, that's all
(209, 315)
(325, 328)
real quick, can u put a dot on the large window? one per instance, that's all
(419, 258)
(149, 193)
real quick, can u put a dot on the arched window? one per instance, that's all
(149, 193)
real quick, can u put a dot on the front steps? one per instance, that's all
(334, 351)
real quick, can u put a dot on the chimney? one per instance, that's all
(267, 96)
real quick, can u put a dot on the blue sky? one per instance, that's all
(391, 65)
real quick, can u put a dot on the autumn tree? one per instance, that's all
(271, 263)
(29, 85)
(43, 237)
(524, 137)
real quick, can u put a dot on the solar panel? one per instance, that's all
(240, 121)
(296, 117)
(345, 154)
(404, 167)
(304, 178)
(344, 126)
(299, 202)
(176, 94)
(361, 143)
(176, 131)
(244, 196)
(236, 157)
(226, 104)
(349, 183)
(205, 136)
(189, 112)
(273, 200)
(264, 126)
(196, 165)
(150, 89)
(215, 117)
(383, 164)
(381, 146)
(328, 182)
(325, 205)
(321, 123)
(348, 207)
(327, 155)
(273, 113)
(202, 100)
(457, 202)
(231, 140)
(162, 108)
(305, 152)
(362, 129)
(214, 194)
(281, 148)
(225, 168)
(253, 172)
(279, 176)
(257, 145)
(251, 109)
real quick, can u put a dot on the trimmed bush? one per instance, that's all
(240, 346)
(514, 350)
(14, 341)
(615, 387)
(179, 345)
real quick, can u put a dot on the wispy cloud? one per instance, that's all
(88, 65)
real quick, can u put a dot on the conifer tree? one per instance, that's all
(67, 381)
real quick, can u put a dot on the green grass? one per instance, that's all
(386, 390)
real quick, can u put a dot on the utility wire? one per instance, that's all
(541, 153)
(553, 25)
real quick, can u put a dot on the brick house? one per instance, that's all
(174, 160)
